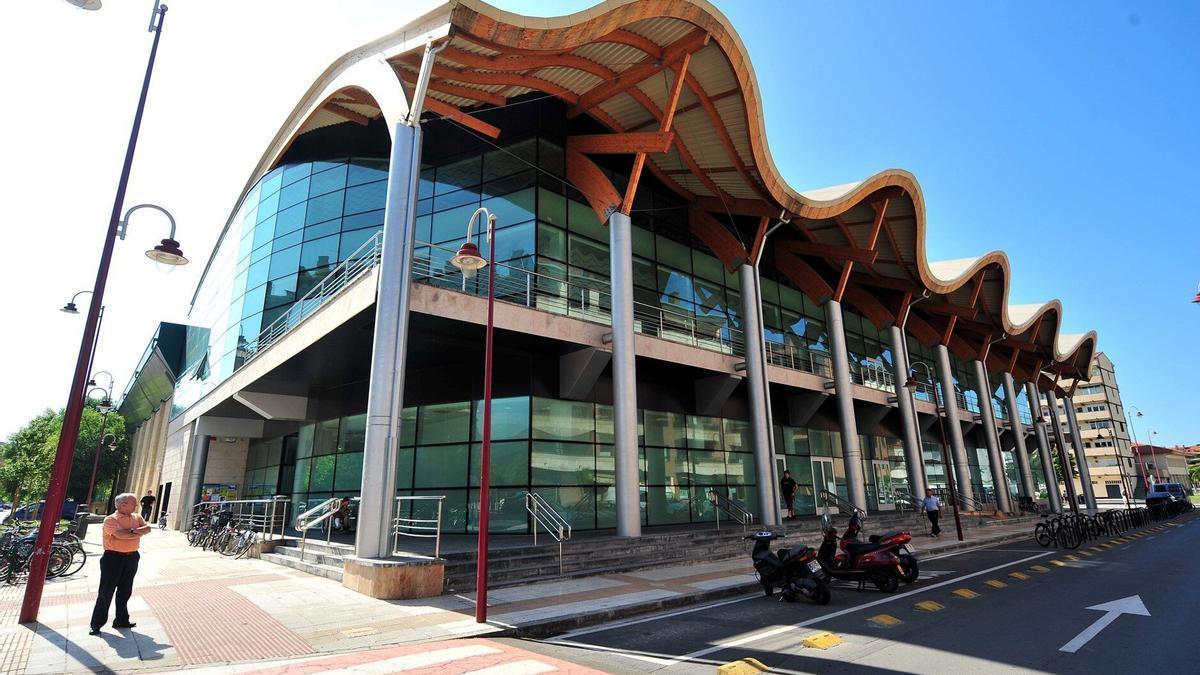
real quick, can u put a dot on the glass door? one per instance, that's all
(822, 469)
(884, 490)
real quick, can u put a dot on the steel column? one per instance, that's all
(983, 387)
(851, 453)
(389, 349)
(1061, 441)
(624, 369)
(962, 472)
(1085, 474)
(756, 380)
(1043, 441)
(195, 479)
(1018, 431)
(913, 456)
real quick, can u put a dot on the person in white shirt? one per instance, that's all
(933, 510)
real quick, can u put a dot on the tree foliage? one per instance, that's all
(29, 455)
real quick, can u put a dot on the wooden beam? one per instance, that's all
(949, 332)
(622, 144)
(1012, 361)
(949, 309)
(469, 76)
(450, 112)
(843, 280)
(668, 115)
(718, 239)
(722, 133)
(738, 207)
(985, 345)
(591, 181)
(805, 277)
(759, 234)
(692, 42)
(880, 216)
(524, 62)
(626, 37)
(346, 113)
(893, 284)
(681, 74)
(410, 78)
(688, 108)
(831, 251)
(869, 306)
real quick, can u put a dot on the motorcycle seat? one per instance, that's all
(855, 550)
(880, 537)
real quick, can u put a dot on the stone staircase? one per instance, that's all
(318, 558)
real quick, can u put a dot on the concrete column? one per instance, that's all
(913, 460)
(1061, 441)
(1039, 430)
(756, 381)
(1018, 431)
(962, 472)
(624, 369)
(390, 347)
(983, 387)
(195, 475)
(851, 453)
(1085, 474)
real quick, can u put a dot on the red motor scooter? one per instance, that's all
(884, 561)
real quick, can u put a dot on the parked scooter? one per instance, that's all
(878, 561)
(795, 572)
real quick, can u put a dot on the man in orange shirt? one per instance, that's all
(123, 532)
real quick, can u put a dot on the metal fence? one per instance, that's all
(267, 516)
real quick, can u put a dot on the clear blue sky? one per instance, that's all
(1063, 133)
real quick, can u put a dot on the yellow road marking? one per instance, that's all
(1059, 563)
(1094, 549)
(885, 620)
(822, 641)
(746, 666)
(1105, 545)
(965, 593)
(1086, 553)
(1073, 558)
(995, 583)
(1040, 568)
(929, 606)
(1018, 575)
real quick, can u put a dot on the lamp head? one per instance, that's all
(468, 259)
(110, 441)
(104, 406)
(69, 308)
(167, 253)
(911, 383)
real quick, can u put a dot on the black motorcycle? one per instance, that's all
(795, 572)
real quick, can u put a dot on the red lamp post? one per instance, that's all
(469, 261)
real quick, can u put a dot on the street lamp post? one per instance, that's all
(104, 410)
(75, 400)
(469, 261)
(910, 384)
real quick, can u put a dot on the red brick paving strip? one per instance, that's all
(505, 654)
(209, 623)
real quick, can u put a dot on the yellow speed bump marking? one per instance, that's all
(1073, 558)
(1105, 545)
(1094, 549)
(885, 620)
(965, 593)
(821, 641)
(929, 606)
(1059, 563)
(1087, 553)
(746, 666)
(995, 583)
(1040, 568)
(1021, 576)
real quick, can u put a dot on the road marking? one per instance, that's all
(995, 583)
(779, 630)
(885, 620)
(1131, 605)
(1073, 558)
(821, 641)
(1152, 536)
(1106, 545)
(1095, 549)
(965, 593)
(929, 606)
(1040, 568)
(746, 666)
(1058, 563)
(1087, 553)
(1020, 576)
(637, 656)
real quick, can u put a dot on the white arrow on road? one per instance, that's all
(1131, 605)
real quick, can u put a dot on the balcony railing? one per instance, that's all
(873, 373)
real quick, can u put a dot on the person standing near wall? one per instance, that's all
(148, 504)
(787, 488)
(123, 532)
(933, 511)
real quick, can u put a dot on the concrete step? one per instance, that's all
(317, 569)
(310, 555)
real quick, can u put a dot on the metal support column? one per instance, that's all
(1085, 474)
(195, 477)
(1039, 430)
(983, 387)
(851, 453)
(624, 369)
(913, 460)
(756, 381)
(962, 473)
(1061, 441)
(1018, 431)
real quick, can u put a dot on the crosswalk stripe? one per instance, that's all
(525, 667)
(414, 661)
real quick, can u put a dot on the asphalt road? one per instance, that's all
(1022, 626)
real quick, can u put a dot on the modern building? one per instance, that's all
(672, 318)
(1167, 465)
(1105, 435)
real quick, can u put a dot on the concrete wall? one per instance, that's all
(227, 461)
(174, 470)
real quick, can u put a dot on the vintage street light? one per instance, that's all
(469, 261)
(75, 400)
(911, 384)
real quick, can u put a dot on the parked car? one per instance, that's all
(1165, 493)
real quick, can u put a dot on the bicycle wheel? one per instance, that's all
(227, 546)
(1041, 532)
(78, 560)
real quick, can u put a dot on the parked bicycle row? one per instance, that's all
(17, 543)
(1072, 530)
(220, 531)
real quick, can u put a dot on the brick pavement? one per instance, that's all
(196, 609)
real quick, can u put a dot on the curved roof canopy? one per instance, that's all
(620, 64)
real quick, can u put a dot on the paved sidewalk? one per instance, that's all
(195, 609)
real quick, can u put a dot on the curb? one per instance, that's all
(556, 625)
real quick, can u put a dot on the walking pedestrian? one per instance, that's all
(933, 511)
(787, 487)
(123, 532)
(148, 504)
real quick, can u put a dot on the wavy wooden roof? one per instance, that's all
(618, 62)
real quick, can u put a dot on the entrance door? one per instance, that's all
(884, 495)
(822, 468)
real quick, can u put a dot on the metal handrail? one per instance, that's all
(842, 505)
(404, 526)
(366, 257)
(543, 514)
(800, 358)
(872, 373)
(914, 502)
(966, 503)
(321, 514)
(263, 516)
(732, 508)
